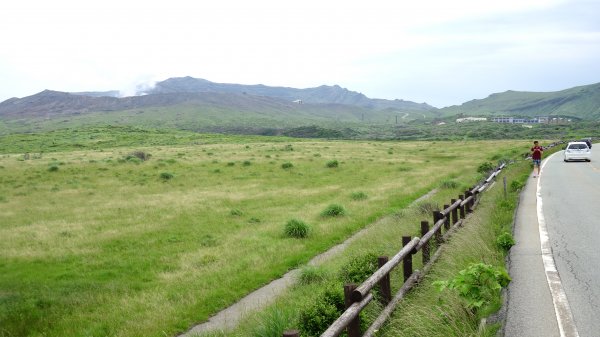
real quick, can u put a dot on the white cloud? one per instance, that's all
(389, 49)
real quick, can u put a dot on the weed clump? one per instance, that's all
(505, 241)
(166, 176)
(311, 275)
(246, 163)
(516, 186)
(53, 168)
(332, 164)
(449, 184)
(272, 323)
(141, 155)
(287, 165)
(333, 210)
(479, 285)
(427, 207)
(296, 229)
(358, 196)
(236, 212)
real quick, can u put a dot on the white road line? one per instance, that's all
(564, 316)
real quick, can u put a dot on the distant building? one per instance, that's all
(471, 119)
(514, 120)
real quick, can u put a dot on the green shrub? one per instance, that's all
(166, 176)
(505, 241)
(479, 284)
(296, 229)
(288, 147)
(485, 167)
(246, 163)
(231, 163)
(332, 164)
(334, 210)
(317, 315)
(287, 165)
(53, 168)
(359, 268)
(358, 196)
(516, 186)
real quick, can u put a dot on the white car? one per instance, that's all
(577, 151)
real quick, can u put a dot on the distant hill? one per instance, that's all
(319, 95)
(201, 105)
(581, 102)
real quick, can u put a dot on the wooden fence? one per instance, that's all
(358, 297)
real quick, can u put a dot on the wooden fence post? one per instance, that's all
(462, 208)
(291, 333)
(384, 284)
(454, 213)
(354, 326)
(407, 262)
(425, 249)
(468, 204)
(447, 221)
(438, 234)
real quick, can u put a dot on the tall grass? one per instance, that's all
(104, 246)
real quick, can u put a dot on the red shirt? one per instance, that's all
(537, 152)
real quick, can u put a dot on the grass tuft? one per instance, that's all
(333, 210)
(295, 228)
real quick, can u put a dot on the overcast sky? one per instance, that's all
(439, 52)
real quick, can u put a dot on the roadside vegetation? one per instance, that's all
(461, 295)
(146, 236)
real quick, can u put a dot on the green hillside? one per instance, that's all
(228, 114)
(580, 102)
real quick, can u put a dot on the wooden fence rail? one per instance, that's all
(358, 297)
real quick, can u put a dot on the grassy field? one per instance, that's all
(97, 242)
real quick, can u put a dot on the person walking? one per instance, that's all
(536, 157)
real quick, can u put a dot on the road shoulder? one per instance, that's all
(530, 310)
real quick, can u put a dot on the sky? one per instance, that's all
(439, 52)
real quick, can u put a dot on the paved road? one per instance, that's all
(569, 212)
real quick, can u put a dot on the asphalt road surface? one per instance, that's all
(568, 197)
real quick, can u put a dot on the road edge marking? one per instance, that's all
(564, 316)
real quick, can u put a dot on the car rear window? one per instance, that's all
(578, 147)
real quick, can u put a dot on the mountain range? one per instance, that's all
(201, 105)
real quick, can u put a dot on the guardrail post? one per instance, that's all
(454, 212)
(354, 326)
(438, 234)
(407, 262)
(425, 249)
(447, 221)
(291, 333)
(462, 208)
(384, 284)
